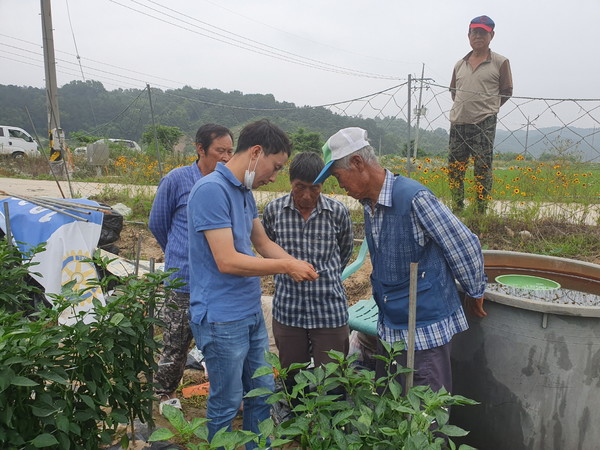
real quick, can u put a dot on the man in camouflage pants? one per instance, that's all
(481, 83)
(475, 141)
(169, 225)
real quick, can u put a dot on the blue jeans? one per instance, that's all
(233, 351)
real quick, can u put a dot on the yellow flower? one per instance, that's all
(516, 191)
(520, 158)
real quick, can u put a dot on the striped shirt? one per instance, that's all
(431, 219)
(168, 219)
(325, 240)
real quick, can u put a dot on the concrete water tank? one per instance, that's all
(533, 365)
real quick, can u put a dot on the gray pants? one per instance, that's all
(177, 337)
(477, 141)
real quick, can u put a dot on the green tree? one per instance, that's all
(83, 138)
(167, 136)
(306, 142)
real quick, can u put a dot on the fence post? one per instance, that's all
(412, 324)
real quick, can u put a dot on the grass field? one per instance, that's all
(518, 181)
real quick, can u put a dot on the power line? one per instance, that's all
(218, 5)
(70, 73)
(235, 107)
(203, 101)
(146, 75)
(74, 40)
(367, 74)
(99, 127)
(243, 43)
(87, 67)
(79, 58)
(245, 108)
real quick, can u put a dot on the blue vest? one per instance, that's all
(437, 296)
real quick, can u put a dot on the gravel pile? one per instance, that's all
(559, 296)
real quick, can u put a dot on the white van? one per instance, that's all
(17, 142)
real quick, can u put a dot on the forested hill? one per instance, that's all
(125, 113)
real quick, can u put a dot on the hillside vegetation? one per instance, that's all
(87, 107)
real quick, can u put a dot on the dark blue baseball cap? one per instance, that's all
(483, 22)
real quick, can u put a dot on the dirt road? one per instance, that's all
(48, 188)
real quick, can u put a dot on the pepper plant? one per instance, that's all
(70, 386)
(373, 413)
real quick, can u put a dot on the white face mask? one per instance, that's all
(249, 176)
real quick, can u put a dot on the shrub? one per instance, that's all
(71, 386)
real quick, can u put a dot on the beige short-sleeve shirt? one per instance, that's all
(479, 93)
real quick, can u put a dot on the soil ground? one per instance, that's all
(132, 235)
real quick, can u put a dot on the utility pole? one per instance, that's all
(408, 161)
(55, 132)
(51, 85)
(160, 170)
(419, 111)
(529, 122)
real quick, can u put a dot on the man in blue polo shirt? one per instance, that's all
(225, 301)
(169, 225)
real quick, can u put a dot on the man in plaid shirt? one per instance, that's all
(404, 223)
(314, 228)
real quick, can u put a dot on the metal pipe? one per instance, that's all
(7, 220)
(412, 323)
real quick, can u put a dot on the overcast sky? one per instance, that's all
(364, 46)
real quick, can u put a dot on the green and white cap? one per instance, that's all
(341, 144)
